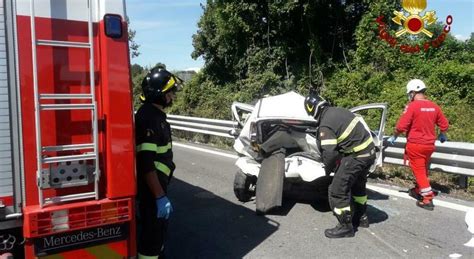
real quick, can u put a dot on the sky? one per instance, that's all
(164, 28)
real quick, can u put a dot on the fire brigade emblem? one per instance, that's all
(414, 23)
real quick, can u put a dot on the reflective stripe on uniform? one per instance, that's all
(140, 256)
(426, 191)
(361, 146)
(360, 199)
(146, 147)
(163, 168)
(154, 148)
(326, 142)
(339, 211)
(348, 130)
(163, 149)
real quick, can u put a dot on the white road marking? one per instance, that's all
(219, 153)
(404, 195)
(372, 187)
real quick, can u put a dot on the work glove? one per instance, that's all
(391, 140)
(163, 207)
(442, 137)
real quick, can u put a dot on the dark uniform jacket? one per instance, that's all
(153, 139)
(341, 133)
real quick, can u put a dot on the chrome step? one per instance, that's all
(66, 44)
(60, 159)
(68, 147)
(65, 96)
(67, 106)
(71, 197)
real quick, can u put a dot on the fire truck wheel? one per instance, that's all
(244, 186)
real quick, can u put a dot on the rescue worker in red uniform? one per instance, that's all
(418, 121)
(347, 149)
(154, 161)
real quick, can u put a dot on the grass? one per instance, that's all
(215, 141)
(447, 183)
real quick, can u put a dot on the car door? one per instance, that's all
(375, 116)
(241, 112)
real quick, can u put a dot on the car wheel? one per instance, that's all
(244, 186)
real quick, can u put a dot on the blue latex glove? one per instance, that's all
(163, 207)
(442, 137)
(391, 140)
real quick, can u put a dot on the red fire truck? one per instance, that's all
(67, 177)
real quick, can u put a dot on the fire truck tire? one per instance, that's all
(244, 186)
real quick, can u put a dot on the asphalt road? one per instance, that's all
(209, 222)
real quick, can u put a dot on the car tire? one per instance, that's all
(244, 186)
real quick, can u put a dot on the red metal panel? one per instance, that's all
(6, 200)
(64, 70)
(118, 111)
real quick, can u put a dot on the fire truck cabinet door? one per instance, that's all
(10, 179)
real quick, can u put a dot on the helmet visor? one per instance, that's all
(178, 84)
(174, 84)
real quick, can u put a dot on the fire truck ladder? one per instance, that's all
(63, 171)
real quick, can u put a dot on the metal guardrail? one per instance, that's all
(450, 157)
(202, 125)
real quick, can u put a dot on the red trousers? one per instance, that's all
(419, 157)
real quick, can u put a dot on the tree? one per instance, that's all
(253, 47)
(381, 73)
(240, 38)
(132, 45)
(138, 73)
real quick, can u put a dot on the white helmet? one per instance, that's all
(415, 85)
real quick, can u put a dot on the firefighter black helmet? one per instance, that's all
(157, 83)
(314, 105)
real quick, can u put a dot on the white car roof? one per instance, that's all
(284, 106)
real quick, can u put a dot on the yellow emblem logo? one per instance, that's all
(414, 23)
(309, 108)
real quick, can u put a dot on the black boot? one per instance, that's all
(360, 218)
(412, 192)
(344, 227)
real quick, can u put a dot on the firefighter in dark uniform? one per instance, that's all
(154, 161)
(347, 149)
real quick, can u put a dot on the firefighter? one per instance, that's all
(347, 149)
(418, 122)
(154, 161)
